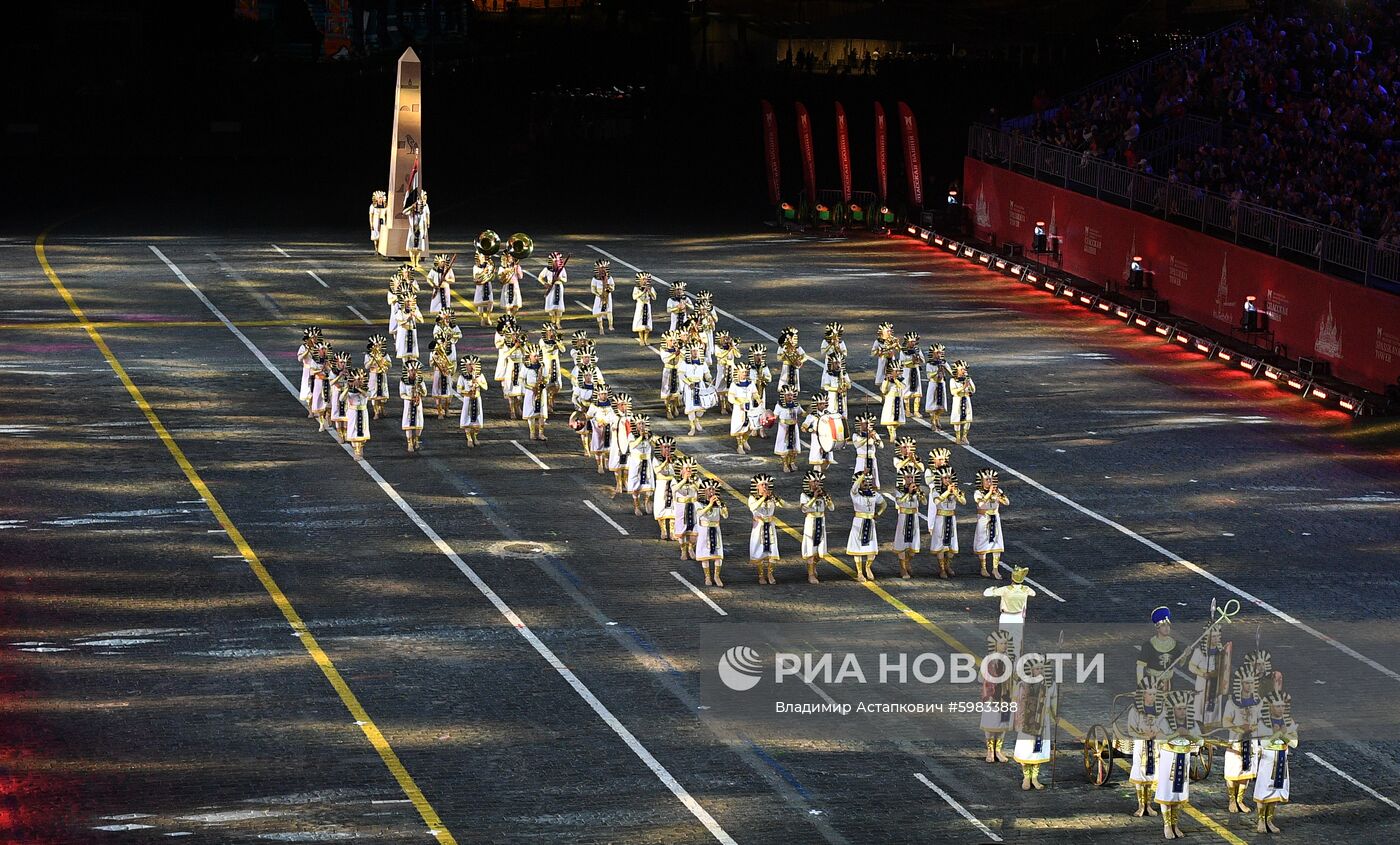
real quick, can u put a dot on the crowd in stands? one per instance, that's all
(1306, 98)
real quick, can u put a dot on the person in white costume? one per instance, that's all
(698, 392)
(411, 391)
(357, 411)
(534, 399)
(944, 497)
(791, 357)
(909, 499)
(508, 277)
(1037, 704)
(763, 538)
(663, 503)
(911, 365)
(819, 413)
(937, 400)
(1174, 760)
(998, 691)
(960, 389)
(641, 464)
(787, 441)
(816, 505)
(440, 280)
(1278, 738)
(419, 218)
(406, 328)
(551, 356)
(644, 299)
(378, 214)
(686, 493)
(867, 442)
(672, 357)
(553, 278)
(1012, 600)
(987, 540)
(310, 337)
(1241, 718)
(709, 541)
(1146, 726)
(760, 374)
(603, 286)
(377, 365)
(678, 305)
(884, 351)
(471, 387)
(863, 542)
(745, 408)
(483, 300)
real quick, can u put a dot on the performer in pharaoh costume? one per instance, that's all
(763, 538)
(816, 505)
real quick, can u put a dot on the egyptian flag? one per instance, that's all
(412, 185)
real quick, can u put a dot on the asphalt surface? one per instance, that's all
(154, 685)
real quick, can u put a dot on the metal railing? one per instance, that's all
(1297, 239)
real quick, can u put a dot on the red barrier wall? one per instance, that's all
(1202, 278)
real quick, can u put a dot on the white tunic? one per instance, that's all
(442, 289)
(790, 372)
(641, 467)
(604, 419)
(687, 509)
(1140, 725)
(709, 541)
(892, 407)
(907, 536)
(418, 230)
(663, 503)
(470, 389)
(961, 391)
(1271, 786)
(988, 537)
(695, 377)
(815, 455)
(942, 522)
(554, 288)
(763, 538)
(814, 525)
(406, 332)
(936, 397)
(1242, 751)
(863, 539)
(412, 419)
(676, 307)
(377, 216)
(481, 280)
(509, 277)
(621, 444)
(1174, 772)
(307, 368)
(744, 408)
(788, 440)
(532, 388)
(356, 417)
(867, 447)
(641, 312)
(602, 297)
(1033, 741)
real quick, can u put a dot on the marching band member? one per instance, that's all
(641, 464)
(515, 365)
(621, 442)
(551, 353)
(961, 388)
(837, 384)
(745, 408)
(909, 497)
(602, 286)
(586, 376)
(505, 327)
(447, 333)
(678, 305)
(1146, 725)
(553, 278)
(705, 321)
(709, 542)
(508, 275)
(411, 392)
(883, 350)
(440, 385)
(663, 504)
(867, 442)
(786, 443)
(603, 418)
(1037, 702)
(816, 504)
(395, 293)
(1174, 761)
(906, 456)
(791, 356)
(892, 406)
(534, 408)
(378, 215)
(340, 371)
(987, 540)
(406, 330)
(321, 358)
(944, 497)
(1278, 735)
(643, 295)
(726, 359)
(1012, 600)
(937, 401)
(998, 691)
(356, 402)
(911, 363)
(1241, 717)
(760, 374)
(418, 220)
(832, 346)
(310, 336)
(377, 364)
(863, 543)
(818, 413)
(699, 393)
(671, 356)
(686, 493)
(483, 273)
(471, 386)
(763, 538)
(1160, 652)
(1206, 663)
(441, 278)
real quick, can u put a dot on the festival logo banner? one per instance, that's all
(804, 146)
(913, 168)
(843, 152)
(770, 152)
(882, 154)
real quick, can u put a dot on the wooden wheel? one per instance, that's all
(1201, 762)
(1098, 756)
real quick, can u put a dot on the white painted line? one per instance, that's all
(357, 313)
(391, 801)
(962, 811)
(697, 591)
(1354, 782)
(1094, 515)
(1039, 586)
(190, 502)
(229, 557)
(318, 279)
(606, 518)
(285, 254)
(531, 455)
(628, 738)
(216, 531)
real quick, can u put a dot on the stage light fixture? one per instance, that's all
(938, 240)
(985, 259)
(1143, 321)
(1163, 329)
(1317, 393)
(924, 234)
(1348, 405)
(886, 216)
(1068, 292)
(953, 246)
(1123, 312)
(1183, 338)
(1224, 356)
(789, 213)
(857, 213)
(1104, 306)
(968, 251)
(1205, 347)
(1031, 278)
(823, 212)
(913, 230)
(1001, 263)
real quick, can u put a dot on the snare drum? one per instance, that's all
(709, 396)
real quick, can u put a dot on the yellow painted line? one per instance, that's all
(48, 325)
(322, 660)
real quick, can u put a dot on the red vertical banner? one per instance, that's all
(804, 146)
(843, 152)
(882, 154)
(770, 154)
(913, 167)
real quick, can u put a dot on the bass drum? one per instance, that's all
(831, 430)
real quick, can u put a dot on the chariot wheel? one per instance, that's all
(1202, 762)
(1098, 756)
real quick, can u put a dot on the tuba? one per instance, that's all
(488, 243)
(520, 245)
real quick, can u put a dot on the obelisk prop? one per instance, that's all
(405, 157)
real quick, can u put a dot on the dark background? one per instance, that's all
(615, 112)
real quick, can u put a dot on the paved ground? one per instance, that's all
(199, 613)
